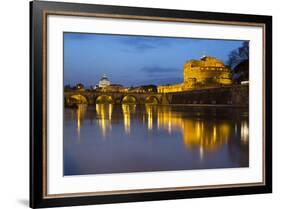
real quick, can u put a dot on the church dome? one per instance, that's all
(104, 78)
(104, 81)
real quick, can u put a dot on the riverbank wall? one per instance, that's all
(235, 95)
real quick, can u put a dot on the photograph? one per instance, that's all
(139, 103)
(132, 104)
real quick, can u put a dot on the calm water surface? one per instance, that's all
(108, 138)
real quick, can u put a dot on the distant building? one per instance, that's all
(203, 73)
(137, 89)
(149, 88)
(105, 86)
(143, 89)
(114, 88)
(104, 82)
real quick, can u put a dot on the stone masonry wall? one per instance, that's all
(230, 95)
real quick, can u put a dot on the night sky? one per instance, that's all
(135, 60)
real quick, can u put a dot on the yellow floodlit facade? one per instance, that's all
(203, 73)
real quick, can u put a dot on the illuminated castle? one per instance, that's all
(203, 73)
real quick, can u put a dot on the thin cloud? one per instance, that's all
(160, 81)
(159, 70)
(143, 43)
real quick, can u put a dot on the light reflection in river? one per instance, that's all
(103, 117)
(153, 138)
(127, 110)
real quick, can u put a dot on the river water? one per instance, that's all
(108, 138)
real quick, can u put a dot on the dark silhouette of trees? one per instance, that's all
(238, 61)
(241, 71)
(67, 87)
(238, 55)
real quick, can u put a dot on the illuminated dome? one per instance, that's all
(104, 82)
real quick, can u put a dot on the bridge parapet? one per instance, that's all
(93, 97)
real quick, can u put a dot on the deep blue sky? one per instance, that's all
(135, 60)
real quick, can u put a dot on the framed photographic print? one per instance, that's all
(139, 104)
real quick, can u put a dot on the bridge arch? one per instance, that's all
(129, 99)
(76, 99)
(151, 100)
(104, 99)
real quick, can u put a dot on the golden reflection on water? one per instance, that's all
(203, 134)
(149, 113)
(104, 115)
(244, 132)
(207, 135)
(80, 114)
(127, 110)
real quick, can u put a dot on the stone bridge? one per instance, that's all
(93, 97)
(235, 95)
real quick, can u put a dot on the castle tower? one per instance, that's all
(208, 71)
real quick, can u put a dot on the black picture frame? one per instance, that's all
(38, 12)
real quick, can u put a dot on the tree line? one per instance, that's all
(238, 61)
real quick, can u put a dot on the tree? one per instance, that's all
(67, 87)
(238, 55)
(241, 71)
(238, 61)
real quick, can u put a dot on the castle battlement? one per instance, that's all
(206, 72)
